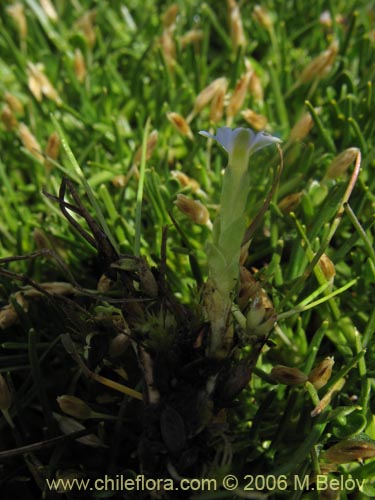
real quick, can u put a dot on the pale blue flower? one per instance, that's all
(245, 139)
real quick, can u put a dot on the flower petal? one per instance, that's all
(227, 138)
(262, 140)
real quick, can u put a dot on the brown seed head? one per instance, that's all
(327, 266)
(14, 103)
(75, 407)
(180, 124)
(287, 375)
(5, 396)
(86, 24)
(170, 15)
(301, 128)
(49, 9)
(235, 25)
(29, 142)
(17, 13)
(8, 118)
(341, 163)
(150, 147)
(262, 17)
(350, 450)
(255, 120)
(239, 95)
(39, 84)
(290, 202)
(320, 65)
(52, 150)
(320, 375)
(79, 66)
(193, 209)
(186, 181)
(192, 36)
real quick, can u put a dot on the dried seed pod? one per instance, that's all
(118, 345)
(52, 150)
(170, 15)
(49, 9)
(327, 266)
(341, 163)
(217, 103)
(75, 407)
(262, 17)
(39, 84)
(17, 12)
(14, 103)
(235, 25)
(206, 95)
(255, 120)
(29, 142)
(86, 24)
(5, 395)
(301, 128)
(79, 66)
(193, 209)
(150, 147)
(8, 118)
(238, 96)
(168, 47)
(192, 36)
(186, 181)
(290, 202)
(320, 375)
(180, 124)
(288, 375)
(350, 450)
(256, 88)
(320, 65)
(325, 401)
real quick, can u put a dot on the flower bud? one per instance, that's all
(255, 120)
(29, 141)
(350, 450)
(287, 375)
(193, 209)
(75, 407)
(180, 124)
(320, 375)
(341, 163)
(5, 396)
(301, 128)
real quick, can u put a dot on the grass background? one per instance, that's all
(129, 81)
